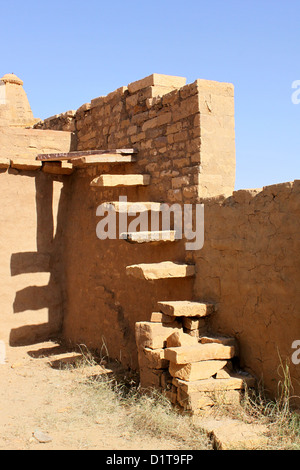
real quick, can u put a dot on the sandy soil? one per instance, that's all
(37, 395)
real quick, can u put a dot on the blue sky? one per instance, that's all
(69, 52)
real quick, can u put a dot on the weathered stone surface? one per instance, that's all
(163, 270)
(232, 434)
(197, 370)
(25, 164)
(185, 308)
(148, 237)
(121, 180)
(153, 335)
(152, 358)
(157, 80)
(4, 163)
(133, 207)
(94, 160)
(193, 323)
(58, 168)
(235, 382)
(158, 317)
(179, 338)
(199, 352)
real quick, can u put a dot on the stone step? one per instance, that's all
(133, 207)
(121, 180)
(4, 163)
(60, 156)
(58, 168)
(163, 270)
(196, 370)
(185, 308)
(26, 164)
(237, 381)
(93, 160)
(199, 352)
(147, 237)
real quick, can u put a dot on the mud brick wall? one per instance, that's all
(249, 266)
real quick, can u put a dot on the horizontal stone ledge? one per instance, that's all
(163, 270)
(121, 180)
(199, 352)
(148, 237)
(83, 153)
(196, 370)
(132, 208)
(58, 168)
(157, 80)
(237, 381)
(186, 308)
(28, 164)
(97, 159)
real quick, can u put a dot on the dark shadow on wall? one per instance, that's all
(47, 258)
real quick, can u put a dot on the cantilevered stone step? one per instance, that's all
(58, 168)
(92, 160)
(85, 153)
(164, 270)
(185, 308)
(147, 237)
(121, 180)
(133, 207)
(26, 164)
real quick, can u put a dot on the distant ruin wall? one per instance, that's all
(249, 266)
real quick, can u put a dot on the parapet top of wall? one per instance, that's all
(159, 84)
(249, 196)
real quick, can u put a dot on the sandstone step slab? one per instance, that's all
(193, 323)
(233, 434)
(199, 401)
(235, 382)
(185, 308)
(153, 335)
(199, 352)
(121, 180)
(196, 370)
(25, 164)
(60, 156)
(163, 270)
(133, 207)
(152, 358)
(92, 160)
(58, 168)
(4, 163)
(179, 338)
(148, 237)
(158, 317)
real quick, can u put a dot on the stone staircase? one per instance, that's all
(177, 353)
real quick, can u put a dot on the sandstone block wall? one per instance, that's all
(249, 266)
(184, 134)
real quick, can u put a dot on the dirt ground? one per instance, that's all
(38, 396)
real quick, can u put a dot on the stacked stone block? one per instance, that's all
(195, 370)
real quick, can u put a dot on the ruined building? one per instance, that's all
(217, 317)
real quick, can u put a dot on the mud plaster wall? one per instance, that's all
(31, 248)
(250, 266)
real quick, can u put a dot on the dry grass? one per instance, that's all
(120, 400)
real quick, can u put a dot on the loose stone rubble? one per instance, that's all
(179, 357)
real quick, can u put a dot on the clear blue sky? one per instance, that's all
(69, 52)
